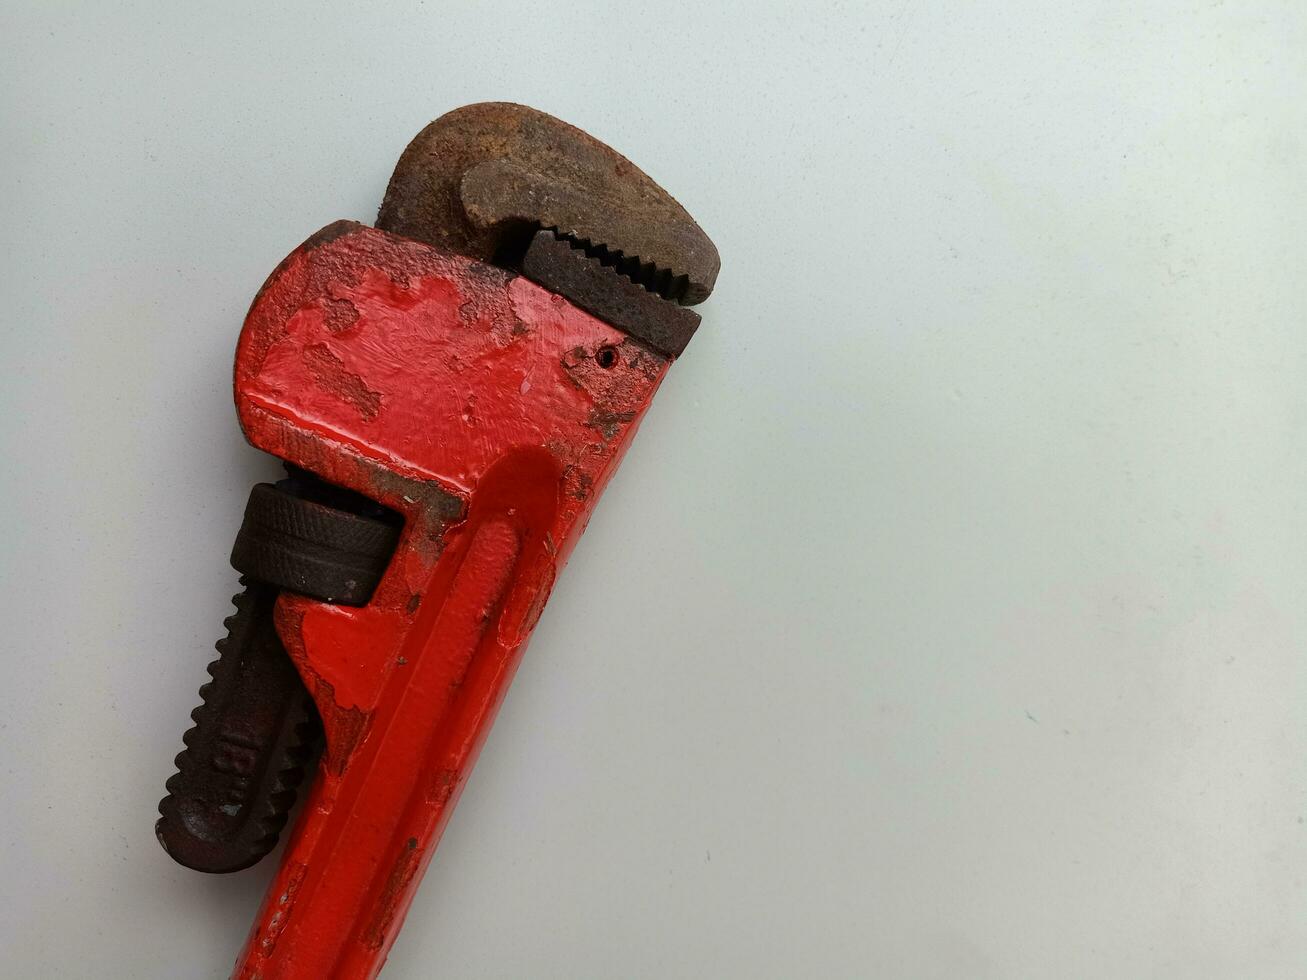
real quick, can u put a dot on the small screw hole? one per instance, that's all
(606, 357)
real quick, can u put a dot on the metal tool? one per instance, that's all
(450, 392)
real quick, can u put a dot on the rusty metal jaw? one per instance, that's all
(482, 175)
(514, 186)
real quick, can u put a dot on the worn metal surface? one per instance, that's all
(482, 179)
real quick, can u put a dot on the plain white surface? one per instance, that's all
(946, 619)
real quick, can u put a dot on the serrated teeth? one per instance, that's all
(661, 282)
(270, 808)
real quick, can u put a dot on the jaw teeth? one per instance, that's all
(660, 282)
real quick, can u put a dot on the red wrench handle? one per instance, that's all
(489, 413)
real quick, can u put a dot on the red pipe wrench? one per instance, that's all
(450, 392)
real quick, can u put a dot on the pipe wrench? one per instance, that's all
(449, 391)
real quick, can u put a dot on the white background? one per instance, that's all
(947, 617)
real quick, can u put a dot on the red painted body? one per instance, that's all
(489, 413)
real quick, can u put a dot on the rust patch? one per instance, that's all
(607, 423)
(330, 373)
(582, 485)
(328, 234)
(414, 601)
(400, 875)
(344, 727)
(572, 362)
(648, 363)
(321, 237)
(435, 504)
(281, 915)
(339, 314)
(442, 786)
(612, 381)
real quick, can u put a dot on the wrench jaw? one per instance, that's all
(481, 179)
(489, 413)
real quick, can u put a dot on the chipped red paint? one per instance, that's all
(479, 406)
